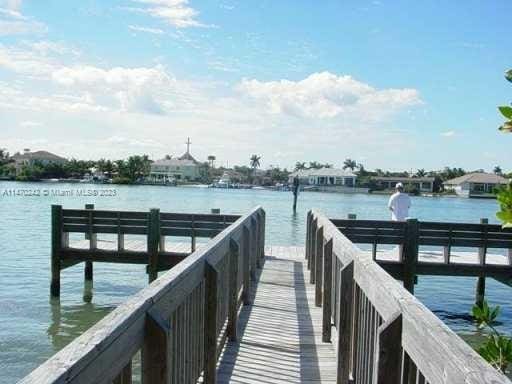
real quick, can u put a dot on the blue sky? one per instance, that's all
(392, 84)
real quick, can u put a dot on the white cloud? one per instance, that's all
(326, 95)
(12, 5)
(175, 12)
(20, 27)
(30, 124)
(154, 31)
(448, 134)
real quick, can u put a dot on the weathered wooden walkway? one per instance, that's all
(280, 334)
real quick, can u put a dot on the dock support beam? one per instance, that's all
(56, 247)
(480, 283)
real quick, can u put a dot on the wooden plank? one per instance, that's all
(349, 223)
(246, 266)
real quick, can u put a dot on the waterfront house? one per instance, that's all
(28, 158)
(184, 168)
(476, 184)
(420, 184)
(325, 177)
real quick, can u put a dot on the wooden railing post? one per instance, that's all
(125, 377)
(155, 351)
(246, 290)
(327, 297)
(153, 243)
(345, 328)
(88, 271)
(308, 234)
(56, 248)
(193, 236)
(480, 283)
(312, 230)
(389, 351)
(234, 253)
(318, 265)
(120, 234)
(312, 258)
(210, 324)
(253, 247)
(262, 236)
(259, 260)
(410, 253)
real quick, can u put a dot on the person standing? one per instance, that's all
(399, 204)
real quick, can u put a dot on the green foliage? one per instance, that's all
(121, 180)
(349, 164)
(497, 349)
(505, 202)
(505, 195)
(506, 110)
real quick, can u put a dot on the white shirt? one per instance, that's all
(399, 204)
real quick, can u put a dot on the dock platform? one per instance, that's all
(280, 334)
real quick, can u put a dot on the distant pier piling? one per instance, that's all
(480, 283)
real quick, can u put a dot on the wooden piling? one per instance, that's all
(88, 271)
(153, 239)
(56, 247)
(480, 283)
(410, 251)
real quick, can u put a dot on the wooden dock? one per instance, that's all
(280, 340)
(237, 311)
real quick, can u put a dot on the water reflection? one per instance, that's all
(70, 321)
(295, 228)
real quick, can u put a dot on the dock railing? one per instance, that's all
(154, 225)
(382, 332)
(412, 234)
(179, 323)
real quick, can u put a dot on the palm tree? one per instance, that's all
(255, 161)
(420, 173)
(300, 166)
(497, 170)
(211, 159)
(315, 165)
(350, 164)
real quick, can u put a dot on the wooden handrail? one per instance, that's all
(384, 333)
(172, 321)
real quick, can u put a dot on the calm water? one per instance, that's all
(33, 328)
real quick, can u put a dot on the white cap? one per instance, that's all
(399, 185)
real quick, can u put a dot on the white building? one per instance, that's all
(477, 184)
(325, 177)
(184, 168)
